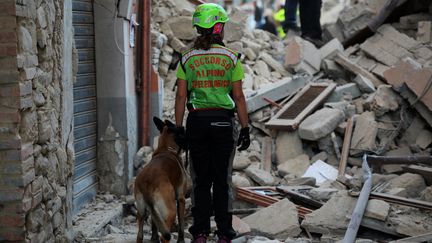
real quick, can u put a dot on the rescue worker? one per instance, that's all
(279, 18)
(209, 84)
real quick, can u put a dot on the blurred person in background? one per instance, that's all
(269, 24)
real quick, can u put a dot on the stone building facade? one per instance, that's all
(38, 69)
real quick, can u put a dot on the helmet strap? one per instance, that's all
(217, 28)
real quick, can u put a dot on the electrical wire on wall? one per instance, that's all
(114, 23)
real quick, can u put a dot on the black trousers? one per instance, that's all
(211, 145)
(310, 14)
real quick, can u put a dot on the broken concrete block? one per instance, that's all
(276, 91)
(163, 13)
(395, 168)
(262, 177)
(240, 226)
(302, 56)
(331, 218)
(424, 139)
(390, 34)
(356, 69)
(236, 46)
(426, 194)
(251, 44)
(181, 27)
(294, 167)
(364, 135)
(250, 54)
(322, 172)
(383, 100)
(364, 84)
(402, 72)
(377, 209)
(384, 51)
(350, 89)
(261, 69)
(274, 64)
(319, 156)
(288, 146)
(411, 133)
(411, 21)
(380, 69)
(178, 45)
(240, 180)
(331, 31)
(241, 161)
(413, 184)
(413, 222)
(424, 32)
(333, 70)
(278, 220)
(346, 107)
(322, 194)
(366, 63)
(320, 124)
(420, 87)
(329, 50)
(355, 18)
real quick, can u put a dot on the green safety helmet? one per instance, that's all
(206, 15)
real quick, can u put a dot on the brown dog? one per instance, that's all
(160, 184)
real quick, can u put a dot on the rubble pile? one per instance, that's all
(316, 111)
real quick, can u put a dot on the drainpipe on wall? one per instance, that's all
(145, 73)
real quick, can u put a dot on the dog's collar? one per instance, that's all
(172, 149)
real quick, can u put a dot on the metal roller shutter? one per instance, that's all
(85, 181)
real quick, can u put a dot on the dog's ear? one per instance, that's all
(169, 123)
(159, 123)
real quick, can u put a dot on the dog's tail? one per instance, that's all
(157, 219)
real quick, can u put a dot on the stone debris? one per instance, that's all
(383, 83)
(279, 220)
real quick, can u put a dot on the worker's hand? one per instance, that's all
(244, 139)
(180, 138)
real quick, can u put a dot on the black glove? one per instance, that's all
(244, 139)
(180, 137)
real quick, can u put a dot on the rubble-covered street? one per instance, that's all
(318, 115)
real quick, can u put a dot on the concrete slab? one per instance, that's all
(332, 218)
(320, 124)
(278, 220)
